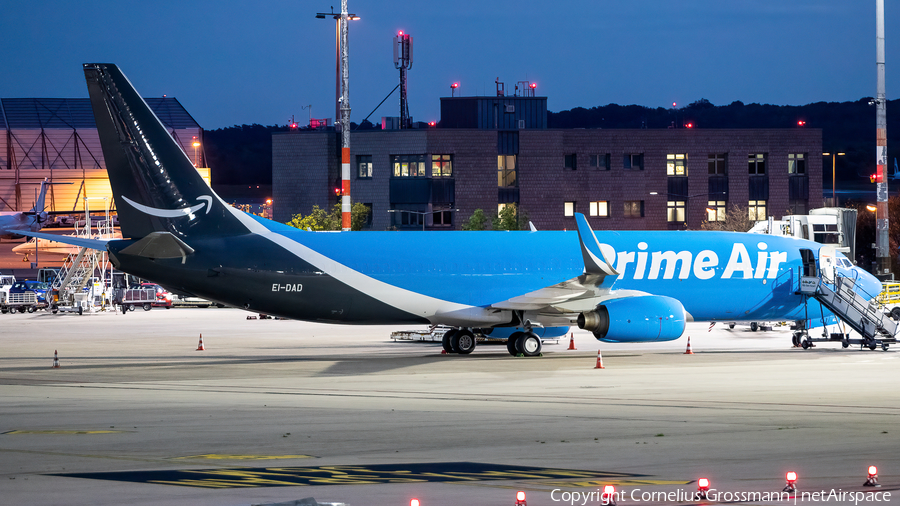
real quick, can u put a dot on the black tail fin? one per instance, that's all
(155, 185)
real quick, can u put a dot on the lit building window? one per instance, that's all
(675, 211)
(718, 164)
(506, 171)
(797, 163)
(676, 165)
(569, 209)
(441, 165)
(715, 211)
(408, 165)
(757, 164)
(757, 210)
(600, 162)
(600, 208)
(634, 209)
(364, 165)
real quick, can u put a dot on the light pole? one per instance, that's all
(833, 164)
(343, 104)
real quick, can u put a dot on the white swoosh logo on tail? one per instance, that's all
(172, 213)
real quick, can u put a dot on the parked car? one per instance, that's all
(163, 297)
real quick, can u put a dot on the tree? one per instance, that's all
(318, 220)
(737, 219)
(359, 216)
(506, 219)
(477, 221)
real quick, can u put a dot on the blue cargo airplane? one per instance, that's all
(622, 286)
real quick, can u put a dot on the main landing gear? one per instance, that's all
(526, 343)
(462, 341)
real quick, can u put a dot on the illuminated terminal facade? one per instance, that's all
(489, 152)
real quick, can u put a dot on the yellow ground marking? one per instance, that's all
(64, 431)
(217, 456)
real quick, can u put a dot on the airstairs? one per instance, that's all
(851, 305)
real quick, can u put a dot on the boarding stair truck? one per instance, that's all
(839, 294)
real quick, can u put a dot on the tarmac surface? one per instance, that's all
(277, 410)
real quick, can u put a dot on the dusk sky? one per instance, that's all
(233, 62)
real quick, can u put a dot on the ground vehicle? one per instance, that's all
(163, 297)
(26, 295)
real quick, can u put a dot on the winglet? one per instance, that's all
(595, 261)
(532, 227)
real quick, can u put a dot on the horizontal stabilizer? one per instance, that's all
(159, 245)
(81, 242)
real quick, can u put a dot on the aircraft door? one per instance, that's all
(826, 262)
(809, 263)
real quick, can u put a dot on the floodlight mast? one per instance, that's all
(345, 121)
(882, 247)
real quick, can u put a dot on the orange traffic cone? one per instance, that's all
(200, 346)
(688, 350)
(572, 342)
(55, 360)
(599, 361)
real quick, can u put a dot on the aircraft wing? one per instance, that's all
(67, 239)
(592, 286)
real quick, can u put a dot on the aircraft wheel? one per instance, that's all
(446, 341)
(463, 342)
(805, 344)
(754, 326)
(147, 306)
(529, 345)
(512, 343)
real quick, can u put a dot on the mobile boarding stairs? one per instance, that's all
(840, 295)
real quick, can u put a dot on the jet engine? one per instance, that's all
(646, 318)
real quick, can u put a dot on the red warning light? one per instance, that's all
(533, 85)
(520, 498)
(873, 471)
(337, 192)
(454, 85)
(791, 477)
(401, 33)
(431, 123)
(703, 484)
(801, 123)
(689, 125)
(413, 502)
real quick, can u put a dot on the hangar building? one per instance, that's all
(56, 138)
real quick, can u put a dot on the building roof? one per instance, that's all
(76, 113)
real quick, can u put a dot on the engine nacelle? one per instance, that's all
(646, 318)
(542, 332)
